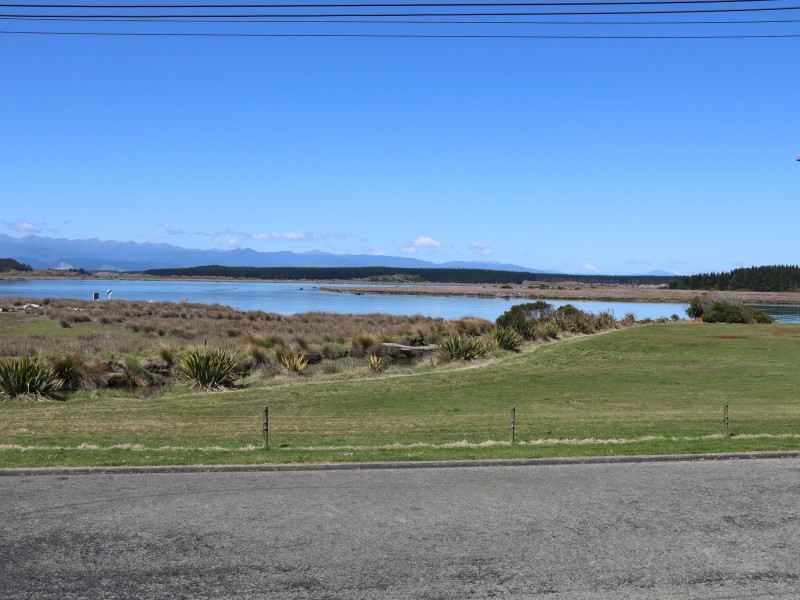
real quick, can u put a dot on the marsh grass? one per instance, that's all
(160, 333)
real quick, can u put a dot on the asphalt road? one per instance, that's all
(712, 529)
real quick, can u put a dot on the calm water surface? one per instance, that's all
(291, 298)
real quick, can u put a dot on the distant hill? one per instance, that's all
(108, 255)
(9, 264)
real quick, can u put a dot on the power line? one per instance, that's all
(403, 36)
(405, 15)
(405, 22)
(376, 5)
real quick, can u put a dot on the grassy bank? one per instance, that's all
(650, 389)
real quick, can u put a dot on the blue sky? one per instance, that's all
(611, 156)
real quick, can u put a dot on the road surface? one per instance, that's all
(708, 529)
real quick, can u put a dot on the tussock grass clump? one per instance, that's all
(363, 343)
(258, 354)
(209, 369)
(75, 372)
(461, 347)
(167, 354)
(472, 326)
(134, 374)
(27, 377)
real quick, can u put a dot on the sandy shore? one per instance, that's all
(571, 291)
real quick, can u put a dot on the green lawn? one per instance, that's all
(649, 389)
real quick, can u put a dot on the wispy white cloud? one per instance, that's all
(170, 230)
(591, 268)
(230, 241)
(22, 226)
(424, 241)
(482, 247)
(292, 236)
(232, 237)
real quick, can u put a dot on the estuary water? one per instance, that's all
(291, 298)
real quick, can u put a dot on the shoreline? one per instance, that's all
(597, 292)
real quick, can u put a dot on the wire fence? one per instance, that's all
(286, 430)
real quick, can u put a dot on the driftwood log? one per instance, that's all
(392, 349)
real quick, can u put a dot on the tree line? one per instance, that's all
(403, 275)
(774, 278)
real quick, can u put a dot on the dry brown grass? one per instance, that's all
(159, 333)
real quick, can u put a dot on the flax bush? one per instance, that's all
(294, 363)
(209, 369)
(461, 347)
(505, 338)
(27, 377)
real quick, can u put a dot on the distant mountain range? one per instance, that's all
(107, 255)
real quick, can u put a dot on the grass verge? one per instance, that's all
(656, 389)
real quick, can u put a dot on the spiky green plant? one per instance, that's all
(506, 338)
(375, 362)
(461, 347)
(27, 377)
(294, 363)
(209, 369)
(552, 328)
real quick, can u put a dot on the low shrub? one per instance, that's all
(698, 305)
(523, 318)
(726, 312)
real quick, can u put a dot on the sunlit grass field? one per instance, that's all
(656, 388)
